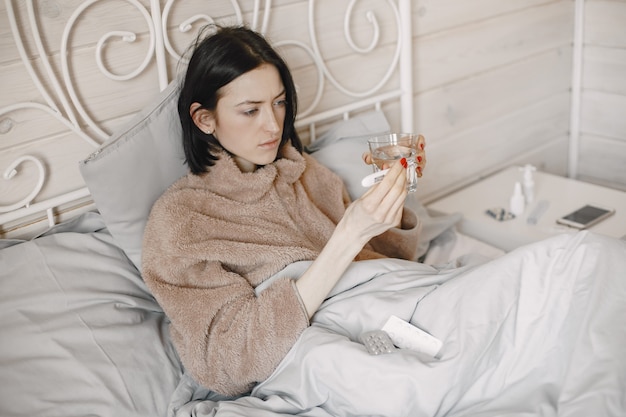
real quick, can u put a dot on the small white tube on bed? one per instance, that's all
(407, 336)
(374, 178)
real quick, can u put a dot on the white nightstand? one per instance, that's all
(563, 196)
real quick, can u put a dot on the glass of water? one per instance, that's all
(386, 149)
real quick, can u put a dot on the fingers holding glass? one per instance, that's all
(386, 149)
(421, 156)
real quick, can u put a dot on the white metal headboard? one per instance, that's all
(23, 205)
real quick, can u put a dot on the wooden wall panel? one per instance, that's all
(437, 15)
(605, 69)
(520, 137)
(474, 101)
(493, 91)
(604, 23)
(490, 43)
(603, 115)
(602, 157)
(491, 78)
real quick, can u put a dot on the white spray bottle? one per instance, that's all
(517, 203)
(528, 182)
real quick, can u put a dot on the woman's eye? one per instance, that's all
(280, 103)
(250, 112)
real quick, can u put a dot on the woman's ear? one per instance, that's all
(202, 118)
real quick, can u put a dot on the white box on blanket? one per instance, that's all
(406, 336)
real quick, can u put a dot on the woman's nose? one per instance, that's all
(271, 122)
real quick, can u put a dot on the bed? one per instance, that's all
(90, 140)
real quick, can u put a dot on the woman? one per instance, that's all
(252, 204)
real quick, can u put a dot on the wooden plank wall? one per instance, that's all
(492, 81)
(603, 106)
(492, 87)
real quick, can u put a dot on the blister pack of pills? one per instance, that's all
(377, 342)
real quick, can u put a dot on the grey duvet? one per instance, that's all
(540, 331)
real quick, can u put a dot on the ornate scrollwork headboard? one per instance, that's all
(77, 69)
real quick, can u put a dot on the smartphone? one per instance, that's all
(586, 216)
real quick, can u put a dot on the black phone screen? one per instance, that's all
(586, 214)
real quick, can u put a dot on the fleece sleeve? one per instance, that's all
(227, 337)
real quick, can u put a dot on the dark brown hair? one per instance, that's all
(217, 60)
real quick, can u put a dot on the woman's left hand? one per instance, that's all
(420, 158)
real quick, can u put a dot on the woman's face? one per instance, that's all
(249, 117)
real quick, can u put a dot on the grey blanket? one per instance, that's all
(538, 332)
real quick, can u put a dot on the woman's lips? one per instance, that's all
(269, 145)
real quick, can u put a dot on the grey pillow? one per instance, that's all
(81, 334)
(129, 172)
(342, 146)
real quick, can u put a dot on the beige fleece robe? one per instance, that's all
(212, 238)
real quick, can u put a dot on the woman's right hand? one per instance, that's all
(379, 209)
